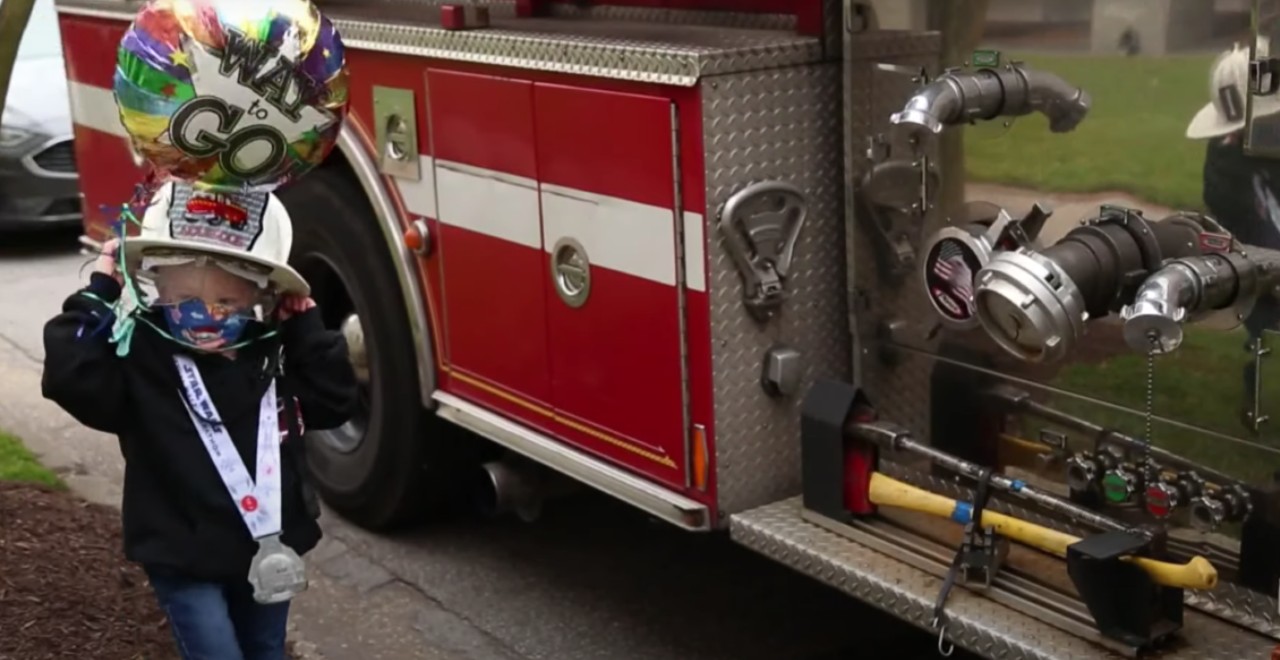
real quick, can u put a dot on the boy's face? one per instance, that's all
(219, 289)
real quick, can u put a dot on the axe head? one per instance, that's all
(861, 459)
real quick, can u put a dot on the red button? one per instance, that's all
(249, 503)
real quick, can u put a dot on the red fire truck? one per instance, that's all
(690, 253)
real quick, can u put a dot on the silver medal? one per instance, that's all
(277, 573)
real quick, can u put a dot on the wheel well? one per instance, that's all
(338, 163)
(351, 162)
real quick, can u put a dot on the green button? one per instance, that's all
(1115, 488)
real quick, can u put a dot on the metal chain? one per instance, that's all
(1151, 389)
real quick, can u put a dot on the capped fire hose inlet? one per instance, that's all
(1034, 303)
(1188, 288)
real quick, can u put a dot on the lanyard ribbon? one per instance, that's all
(257, 498)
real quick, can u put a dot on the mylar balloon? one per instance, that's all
(233, 95)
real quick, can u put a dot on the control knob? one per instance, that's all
(1207, 513)
(1082, 471)
(1162, 498)
(1238, 503)
(1191, 484)
(1120, 484)
(1229, 504)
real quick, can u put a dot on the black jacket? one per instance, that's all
(1233, 181)
(177, 512)
(1240, 192)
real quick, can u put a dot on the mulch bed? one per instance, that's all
(66, 590)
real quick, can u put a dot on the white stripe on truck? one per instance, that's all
(617, 234)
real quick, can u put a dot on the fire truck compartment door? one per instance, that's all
(605, 164)
(492, 265)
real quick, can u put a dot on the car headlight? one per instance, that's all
(12, 136)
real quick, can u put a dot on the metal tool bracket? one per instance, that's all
(760, 225)
(977, 559)
(1263, 79)
(1254, 417)
(893, 197)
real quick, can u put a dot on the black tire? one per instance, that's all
(382, 469)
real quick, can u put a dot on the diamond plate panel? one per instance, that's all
(663, 53)
(978, 624)
(897, 383)
(781, 125)
(507, 8)
(646, 52)
(678, 16)
(411, 8)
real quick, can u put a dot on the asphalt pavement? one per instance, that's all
(592, 580)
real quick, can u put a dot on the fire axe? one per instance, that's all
(1197, 573)
(1133, 594)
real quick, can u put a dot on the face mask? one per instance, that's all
(193, 322)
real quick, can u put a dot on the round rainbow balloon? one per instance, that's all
(232, 95)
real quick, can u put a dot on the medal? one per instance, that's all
(277, 573)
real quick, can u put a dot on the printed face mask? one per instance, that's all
(194, 322)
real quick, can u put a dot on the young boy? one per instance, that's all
(209, 404)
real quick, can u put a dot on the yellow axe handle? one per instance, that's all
(1196, 574)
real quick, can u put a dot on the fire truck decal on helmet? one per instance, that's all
(233, 221)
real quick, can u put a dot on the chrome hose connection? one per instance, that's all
(1179, 292)
(958, 97)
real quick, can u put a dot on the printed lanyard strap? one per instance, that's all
(258, 497)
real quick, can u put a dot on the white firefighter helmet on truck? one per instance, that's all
(1228, 88)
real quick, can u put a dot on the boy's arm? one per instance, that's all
(319, 370)
(81, 371)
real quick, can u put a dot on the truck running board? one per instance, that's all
(655, 500)
(899, 572)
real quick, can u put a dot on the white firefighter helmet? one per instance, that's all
(249, 227)
(1228, 89)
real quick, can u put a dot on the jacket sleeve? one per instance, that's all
(319, 371)
(82, 373)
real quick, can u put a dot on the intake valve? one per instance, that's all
(1184, 290)
(1227, 505)
(1034, 303)
(960, 97)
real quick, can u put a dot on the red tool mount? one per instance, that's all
(836, 469)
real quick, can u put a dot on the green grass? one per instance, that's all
(1133, 139)
(17, 464)
(1200, 384)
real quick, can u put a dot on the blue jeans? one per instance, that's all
(220, 621)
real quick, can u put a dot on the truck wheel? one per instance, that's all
(373, 469)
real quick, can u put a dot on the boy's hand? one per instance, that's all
(292, 305)
(106, 263)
